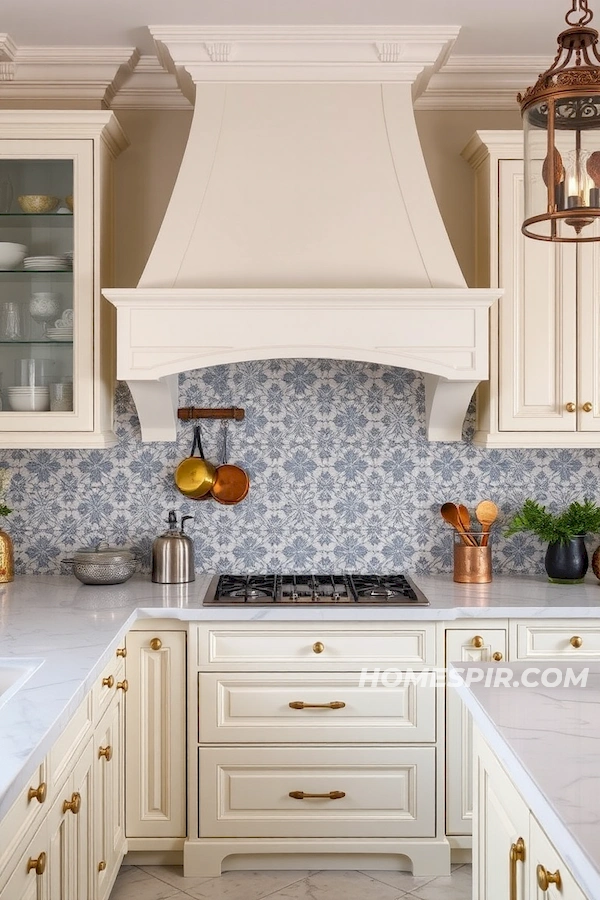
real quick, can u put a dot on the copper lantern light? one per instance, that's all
(561, 122)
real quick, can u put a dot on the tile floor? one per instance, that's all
(167, 883)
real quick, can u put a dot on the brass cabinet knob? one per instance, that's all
(74, 804)
(37, 865)
(576, 641)
(123, 685)
(108, 682)
(38, 793)
(570, 407)
(587, 407)
(478, 641)
(122, 651)
(105, 752)
(497, 656)
(546, 878)
(318, 647)
(102, 865)
(155, 644)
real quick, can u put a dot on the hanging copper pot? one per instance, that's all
(232, 482)
(195, 476)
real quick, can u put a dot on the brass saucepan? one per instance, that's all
(232, 482)
(195, 475)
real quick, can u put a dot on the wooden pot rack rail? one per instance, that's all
(202, 412)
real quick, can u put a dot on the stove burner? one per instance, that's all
(329, 590)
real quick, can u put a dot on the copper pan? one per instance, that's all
(195, 476)
(232, 482)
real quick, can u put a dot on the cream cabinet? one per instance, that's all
(465, 645)
(109, 795)
(156, 771)
(544, 387)
(56, 331)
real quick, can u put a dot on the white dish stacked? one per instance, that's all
(44, 263)
(29, 398)
(63, 328)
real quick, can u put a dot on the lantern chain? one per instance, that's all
(579, 8)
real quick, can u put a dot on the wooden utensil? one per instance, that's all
(486, 514)
(450, 513)
(465, 519)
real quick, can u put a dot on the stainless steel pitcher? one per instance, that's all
(173, 554)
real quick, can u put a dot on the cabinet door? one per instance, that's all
(109, 793)
(588, 363)
(537, 320)
(542, 854)
(25, 883)
(464, 646)
(156, 734)
(500, 824)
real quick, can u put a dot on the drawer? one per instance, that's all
(269, 646)
(23, 815)
(106, 686)
(254, 707)
(573, 640)
(69, 744)
(388, 791)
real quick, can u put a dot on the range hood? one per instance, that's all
(302, 223)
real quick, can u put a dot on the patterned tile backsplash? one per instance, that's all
(342, 478)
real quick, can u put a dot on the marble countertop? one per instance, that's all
(72, 631)
(548, 740)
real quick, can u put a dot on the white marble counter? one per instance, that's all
(548, 740)
(74, 629)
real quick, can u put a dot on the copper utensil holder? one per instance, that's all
(472, 558)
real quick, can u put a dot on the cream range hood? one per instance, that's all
(302, 223)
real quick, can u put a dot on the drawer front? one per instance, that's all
(574, 640)
(388, 791)
(23, 815)
(261, 647)
(106, 686)
(69, 745)
(254, 707)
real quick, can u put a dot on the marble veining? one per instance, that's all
(548, 739)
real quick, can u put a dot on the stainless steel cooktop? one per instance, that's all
(326, 590)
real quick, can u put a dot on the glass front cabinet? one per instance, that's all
(56, 331)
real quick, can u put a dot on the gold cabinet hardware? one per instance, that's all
(38, 793)
(576, 641)
(478, 641)
(587, 407)
(101, 865)
(123, 685)
(122, 651)
(300, 704)
(155, 644)
(318, 647)
(517, 854)
(497, 656)
(37, 865)
(546, 878)
(108, 682)
(332, 795)
(570, 407)
(74, 804)
(105, 752)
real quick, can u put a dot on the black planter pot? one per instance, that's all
(567, 563)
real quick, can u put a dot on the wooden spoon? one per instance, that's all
(486, 513)
(450, 513)
(465, 520)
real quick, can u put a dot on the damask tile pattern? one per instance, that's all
(342, 478)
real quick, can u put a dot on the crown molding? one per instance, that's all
(149, 86)
(481, 82)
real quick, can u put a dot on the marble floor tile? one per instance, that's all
(174, 875)
(334, 885)
(457, 886)
(404, 881)
(133, 884)
(245, 885)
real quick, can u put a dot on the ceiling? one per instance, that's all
(488, 27)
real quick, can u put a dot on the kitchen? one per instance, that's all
(342, 475)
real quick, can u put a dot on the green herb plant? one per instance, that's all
(4, 483)
(576, 519)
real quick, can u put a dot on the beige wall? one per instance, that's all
(146, 172)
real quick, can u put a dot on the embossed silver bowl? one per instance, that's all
(103, 564)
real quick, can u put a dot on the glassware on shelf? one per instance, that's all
(10, 321)
(44, 307)
(30, 372)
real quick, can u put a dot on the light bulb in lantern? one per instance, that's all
(593, 170)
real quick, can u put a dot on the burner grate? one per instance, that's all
(264, 590)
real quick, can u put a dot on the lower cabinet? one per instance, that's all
(30, 878)
(109, 795)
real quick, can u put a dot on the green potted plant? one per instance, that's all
(566, 558)
(6, 546)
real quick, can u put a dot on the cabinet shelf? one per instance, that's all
(36, 271)
(34, 343)
(52, 220)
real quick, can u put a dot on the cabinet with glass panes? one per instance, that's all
(56, 332)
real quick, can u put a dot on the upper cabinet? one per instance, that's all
(544, 387)
(56, 332)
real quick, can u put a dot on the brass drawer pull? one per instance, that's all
(108, 682)
(37, 865)
(332, 795)
(546, 878)
(300, 704)
(105, 752)
(318, 647)
(74, 804)
(38, 793)
(123, 685)
(576, 641)
(102, 865)
(478, 641)
(122, 651)
(155, 644)
(497, 656)
(517, 854)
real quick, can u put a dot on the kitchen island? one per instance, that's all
(546, 740)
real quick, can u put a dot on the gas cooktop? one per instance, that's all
(327, 590)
